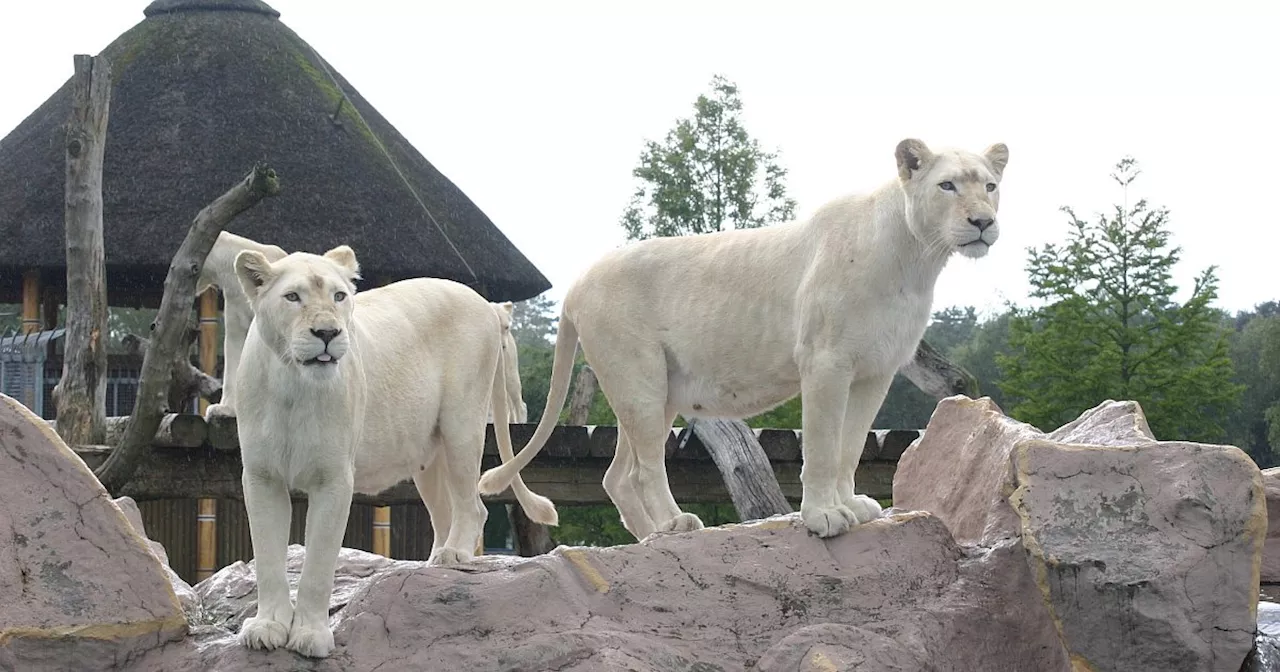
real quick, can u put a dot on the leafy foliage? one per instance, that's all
(1255, 350)
(706, 175)
(1110, 329)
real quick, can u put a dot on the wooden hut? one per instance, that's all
(202, 89)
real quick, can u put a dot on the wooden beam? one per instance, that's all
(31, 300)
(382, 531)
(569, 470)
(81, 395)
(172, 320)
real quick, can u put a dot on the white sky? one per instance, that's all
(539, 111)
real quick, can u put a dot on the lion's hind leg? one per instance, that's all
(459, 465)
(432, 481)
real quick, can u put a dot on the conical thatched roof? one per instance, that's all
(202, 90)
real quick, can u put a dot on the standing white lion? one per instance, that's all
(340, 392)
(731, 324)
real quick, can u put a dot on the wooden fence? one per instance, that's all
(192, 459)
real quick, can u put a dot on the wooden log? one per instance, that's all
(529, 538)
(937, 376)
(177, 430)
(584, 393)
(81, 394)
(382, 531)
(171, 321)
(746, 470)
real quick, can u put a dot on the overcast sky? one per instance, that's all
(539, 111)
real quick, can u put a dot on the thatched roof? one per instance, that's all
(202, 90)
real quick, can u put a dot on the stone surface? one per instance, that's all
(187, 596)
(80, 588)
(1271, 551)
(894, 594)
(1147, 552)
(960, 470)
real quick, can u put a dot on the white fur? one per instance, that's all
(734, 323)
(219, 271)
(518, 410)
(414, 366)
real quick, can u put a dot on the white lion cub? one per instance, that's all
(340, 392)
(731, 324)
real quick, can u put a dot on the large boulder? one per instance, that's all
(80, 588)
(894, 594)
(187, 596)
(1146, 552)
(1270, 572)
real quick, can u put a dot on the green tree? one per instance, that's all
(533, 322)
(1109, 328)
(707, 175)
(1255, 352)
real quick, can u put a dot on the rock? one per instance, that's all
(959, 470)
(894, 594)
(187, 596)
(1271, 551)
(80, 587)
(1265, 656)
(1147, 552)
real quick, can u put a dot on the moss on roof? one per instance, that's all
(202, 90)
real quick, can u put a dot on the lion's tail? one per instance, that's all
(497, 479)
(539, 509)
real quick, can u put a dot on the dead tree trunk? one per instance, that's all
(173, 320)
(187, 382)
(938, 377)
(81, 395)
(584, 392)
(744, 466)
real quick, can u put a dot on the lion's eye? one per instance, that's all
(991, 186)
(947, 186)
(292, 296)
(339, 296)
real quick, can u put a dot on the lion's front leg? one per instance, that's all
(865, 399)
(824, 388)
(267, 501)
(327, 509)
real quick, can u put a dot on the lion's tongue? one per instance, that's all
(324, 357)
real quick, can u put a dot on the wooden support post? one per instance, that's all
(208, 338)
(744, 466)
(206, 539)
(30, 301)
(382, 531)
(81, 395)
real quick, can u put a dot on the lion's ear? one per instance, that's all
(998, 156)
(912, 156)
(254, 271)
(345, 257)
(507, 307)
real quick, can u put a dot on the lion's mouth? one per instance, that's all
(322, 359)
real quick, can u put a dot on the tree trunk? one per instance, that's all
(745, 467)
(186, 382)
(81, 395)
(938, 377)
(584, 392)
(172, 321)
(530, 538)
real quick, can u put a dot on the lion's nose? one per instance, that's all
(326, 335)
(982, 222)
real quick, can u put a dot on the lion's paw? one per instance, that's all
(311, 641)
(449, 556)
(685, 522)
(219, 411)
(827, 521)
(260, 632)
(865, 509)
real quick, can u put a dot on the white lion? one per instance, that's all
(219, 271)
(341, 392)
(731, 324)
(518, 410)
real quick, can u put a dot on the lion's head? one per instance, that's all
(302, 304)
(952, 196)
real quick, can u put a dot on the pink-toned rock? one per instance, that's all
(894, 594)
(959, 470)
(1271, 551)
(79, 588)
(1147, 554)
(187, 596)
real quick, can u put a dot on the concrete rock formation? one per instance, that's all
(1147, 552)
(80, 588)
